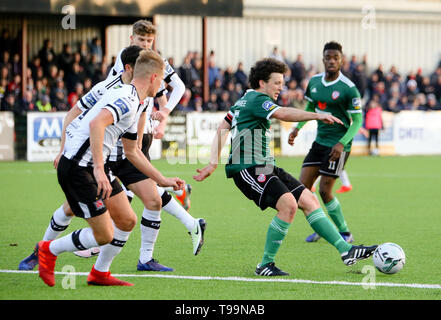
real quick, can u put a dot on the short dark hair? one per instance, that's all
(333, 45)
(130, 54)
(262, 71)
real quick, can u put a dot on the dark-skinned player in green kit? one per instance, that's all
(332, 93)
(255, 174)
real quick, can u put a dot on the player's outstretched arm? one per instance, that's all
(167, 106)
(139, 160)
(72, 114)
(216, 148)
(97, 128)
(296, 115)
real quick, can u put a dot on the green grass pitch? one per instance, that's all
(395, 199)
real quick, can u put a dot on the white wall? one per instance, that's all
(409, 39)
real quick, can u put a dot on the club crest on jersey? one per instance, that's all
(261, 178)
(335, 95)
(268, 105)
(322, 105)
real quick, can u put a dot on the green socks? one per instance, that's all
(326, 229)
(277, 231)
(334, 209)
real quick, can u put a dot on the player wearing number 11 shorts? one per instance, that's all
(331, 93)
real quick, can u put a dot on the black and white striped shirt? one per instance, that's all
(123, 103)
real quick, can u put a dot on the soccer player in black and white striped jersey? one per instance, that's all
(88, 184)
(144, 35)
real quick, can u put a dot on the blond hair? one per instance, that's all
(148, 62)
(143, 27)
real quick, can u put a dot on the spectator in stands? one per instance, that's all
(211, 104)
(196, 89)
(65, 58)
(5, 61)
(5, 74)
(437, 90)
(46, 50)
(185, 71)
(10, 103)
(373, 123)
(432, 103)
(73, 77)
(3, 88)
(404, 104)
(14, 86)
(224, 103)
(28, 102)
(240, 76)
(359, 78)
(217, 88)
(185, 105)
(298, 69)
(299, 100)
(16, 64)
(392, 106)
(275, 54)
(412, 90)
(213, 73)
(234, 95)
(198, 104)
(197, 69)
(44, 105)
(96, 49)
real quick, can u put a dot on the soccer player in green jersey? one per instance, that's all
(253, 169)
(334, 94)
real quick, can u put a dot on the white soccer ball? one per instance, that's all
(389, 258)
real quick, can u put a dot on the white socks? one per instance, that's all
(171, 206)
(150, 224)
(58, 224)
(176, 210)
(111, 250)
(78, 240)
(345, 178)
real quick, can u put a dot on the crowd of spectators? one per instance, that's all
(55, 81)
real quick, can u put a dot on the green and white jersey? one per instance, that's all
(250, 132)
(339, 98)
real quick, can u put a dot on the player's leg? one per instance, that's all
(286, 207)
(330, 170)
(346, 185)
(100, 232)
(150, 224)
(195, 227)
(308, 175)
(327, 230)
(124, 220)
(266, 190)
(60, 220)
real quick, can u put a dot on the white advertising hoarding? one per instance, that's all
(44, 135)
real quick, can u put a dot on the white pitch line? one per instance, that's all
(242, 279)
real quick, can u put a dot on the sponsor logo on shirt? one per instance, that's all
(122, 105)
(322, 105)
(268, 105)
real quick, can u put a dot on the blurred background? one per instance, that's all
(52, 52)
